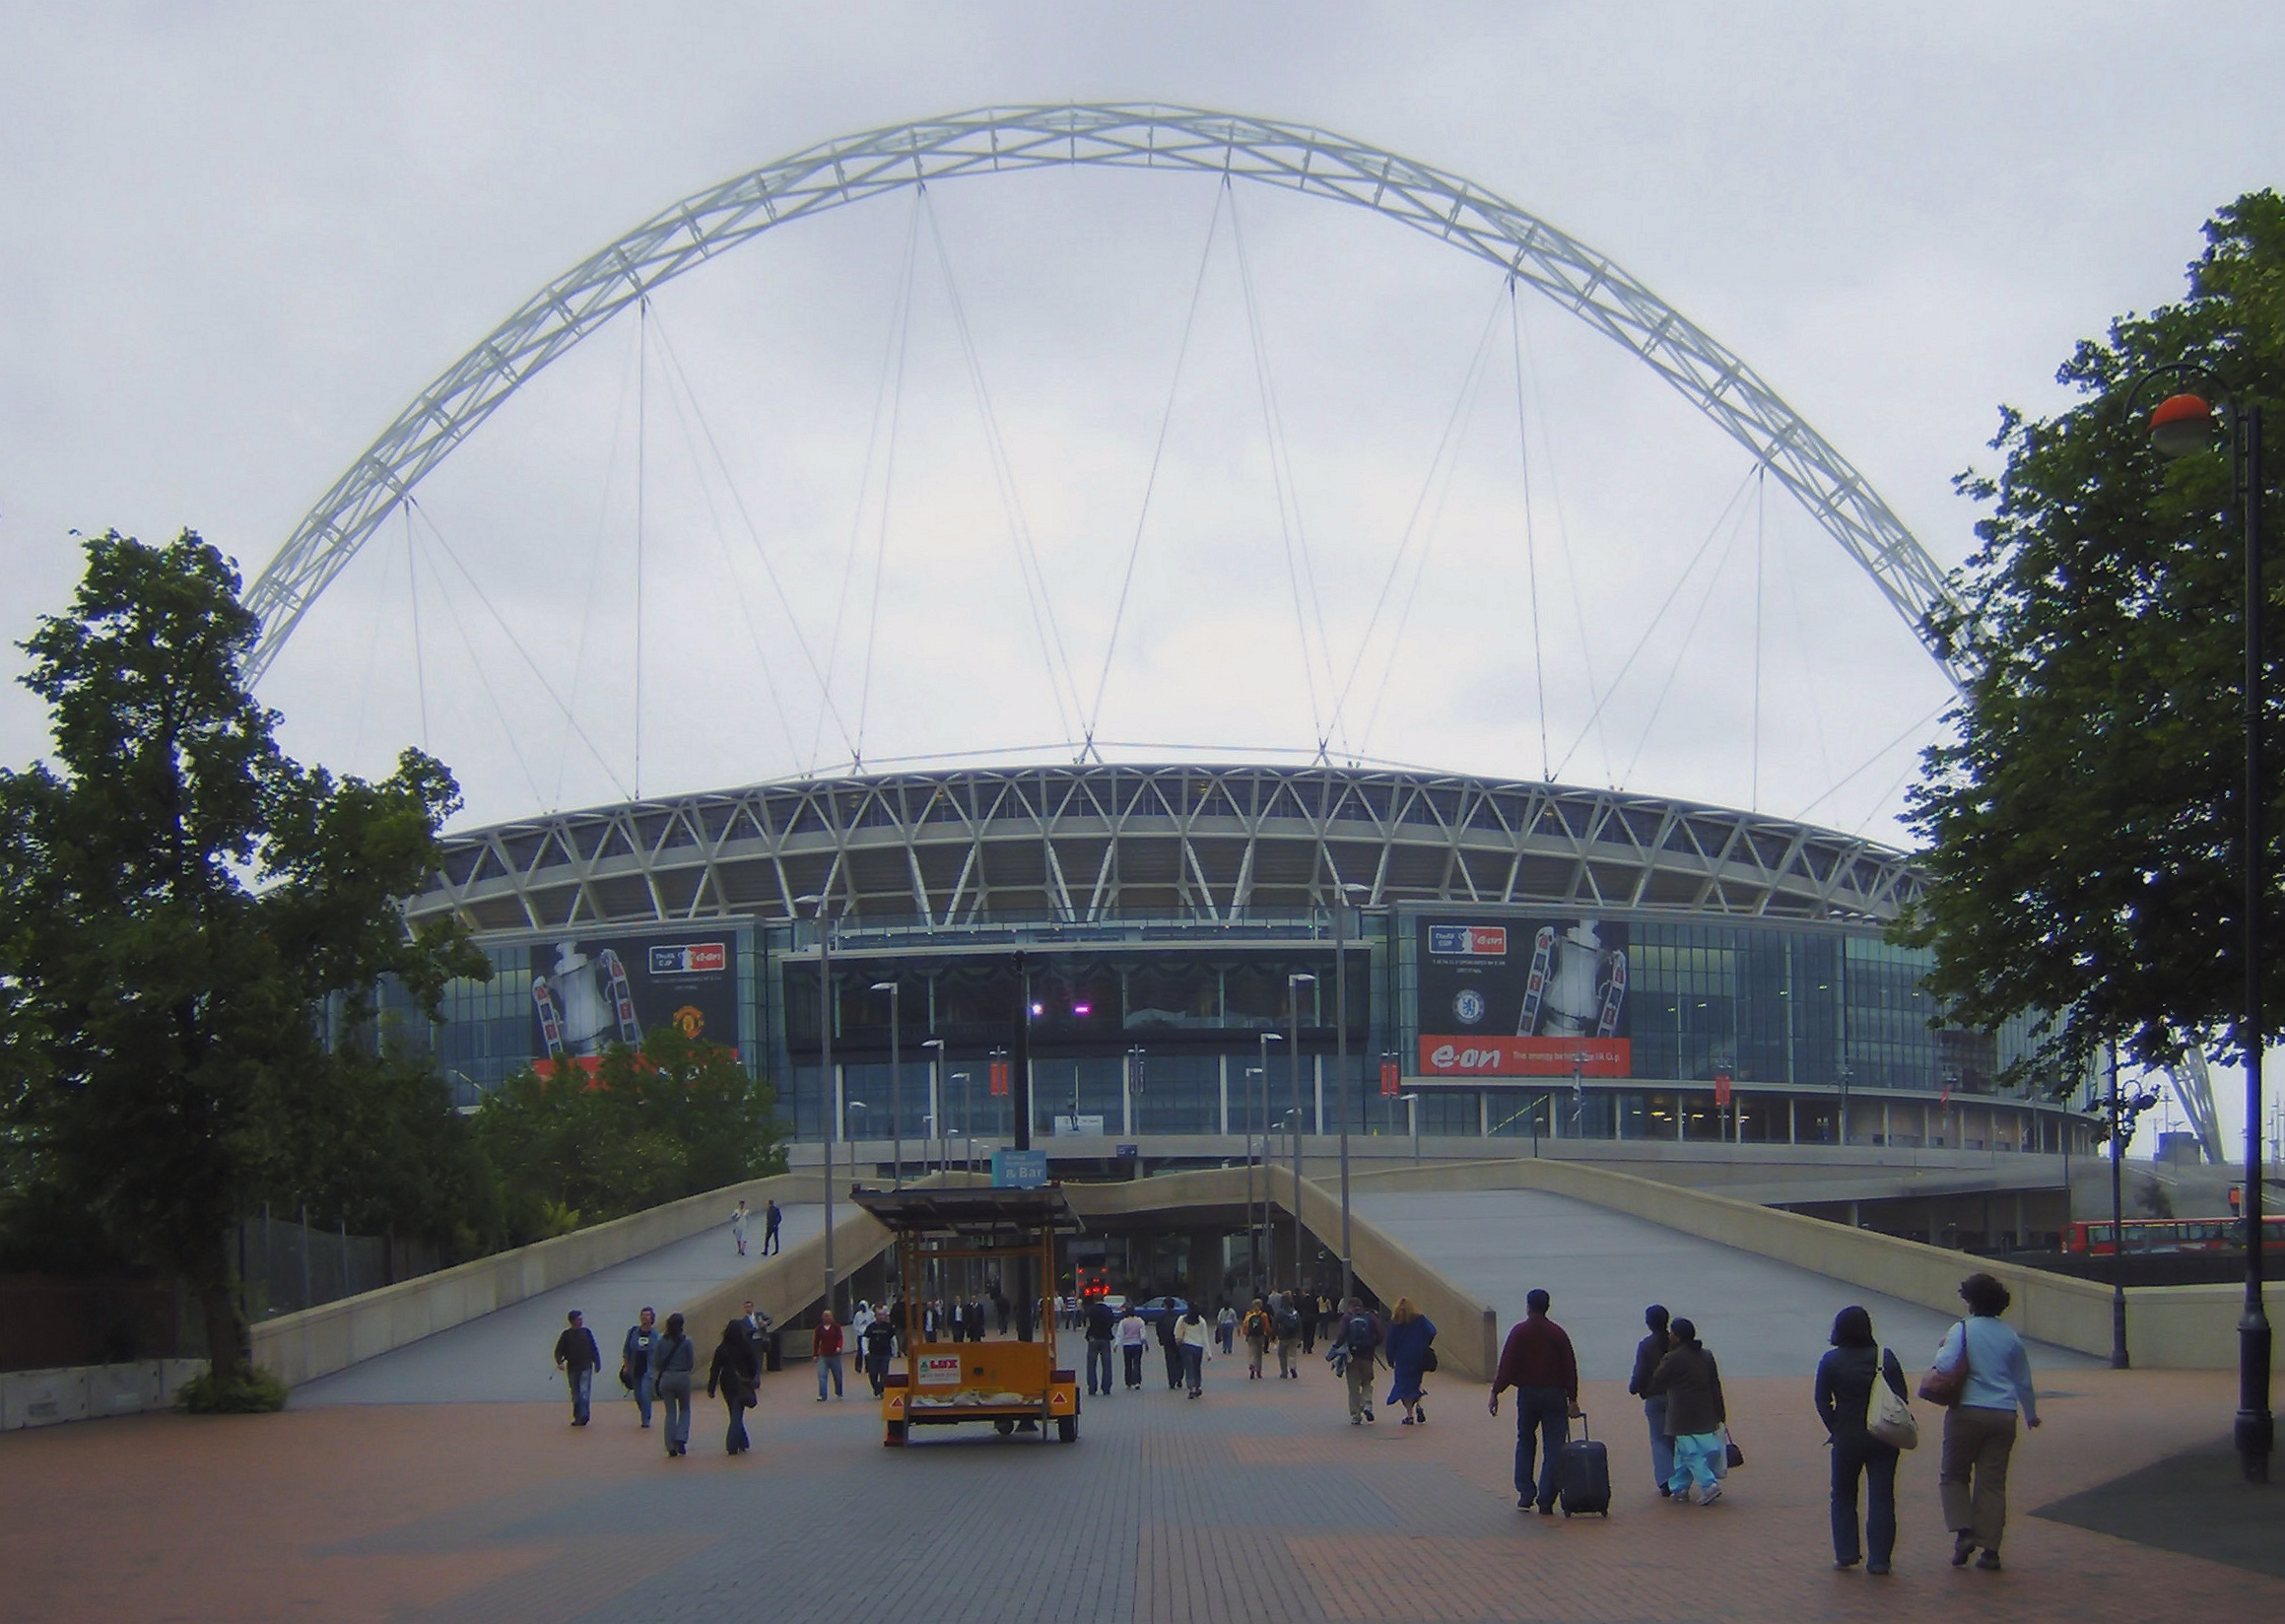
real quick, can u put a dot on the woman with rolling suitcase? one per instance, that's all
(1846, 1382)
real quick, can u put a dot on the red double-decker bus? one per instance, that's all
(2165, 1234)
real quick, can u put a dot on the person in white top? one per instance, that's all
(859, 1320)
(738, 1221)
(1134, 1337)
(1979, 1428)
(1191, 1335)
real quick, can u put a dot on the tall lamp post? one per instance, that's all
(827, 1010)
(896, 1077)
(1349, 891)
(1252, 1247)
(2180, 424)
(967, 1129)
(1267, 1037)
(1295, 980)
(1412, 1110)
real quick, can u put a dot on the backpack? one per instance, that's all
(1360, 1334)
(1289, 1325)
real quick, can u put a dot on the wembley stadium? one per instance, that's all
(1522, 960)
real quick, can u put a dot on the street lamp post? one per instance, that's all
(825, 1013)
(967, 1133)
(1295, 980)
(1412, 1111)
(896, 1078)
(1253, 1249)
(1847, 1074)
(2118, 1225)
(1341, 1070)
(2180, 424)
(1267, 1037)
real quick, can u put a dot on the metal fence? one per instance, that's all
(286, 1265)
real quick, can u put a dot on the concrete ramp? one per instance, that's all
(1760, 1317)
(509, 1354)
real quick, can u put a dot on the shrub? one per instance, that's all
(252, 1391)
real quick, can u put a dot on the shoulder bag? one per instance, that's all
(1731, 1454)
(1890, 1421)
(1942, 1386)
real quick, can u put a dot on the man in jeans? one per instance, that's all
(1539, 1365)
(1099, 1332)
(576, 1356)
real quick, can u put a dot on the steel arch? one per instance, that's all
(1119, 135)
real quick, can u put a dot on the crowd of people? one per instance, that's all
(1980, 1378)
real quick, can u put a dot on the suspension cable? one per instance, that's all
(420, 652)
(1151, 481)
(1682, 649)
(888, 493)
(1935, 711)
(642, 451)
(595, 565)
(1531, 533)
(483, 677)
(1761, 537)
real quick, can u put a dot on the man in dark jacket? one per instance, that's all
(1352, 1351)
(1695, 1414)
(878, 1344)
(772, 1217)
(576, 1356)
(1099, 1326)
(1538, 1363)
(1169, 1347)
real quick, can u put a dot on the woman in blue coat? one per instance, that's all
(1411, 1338)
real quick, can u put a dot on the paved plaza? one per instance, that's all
(1257, 1503)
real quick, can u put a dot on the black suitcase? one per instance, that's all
(1582, 1476)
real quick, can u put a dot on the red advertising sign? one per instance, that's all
(1722, 1088)
(1486, 1055)
(1388, 1078)
(999, 1078)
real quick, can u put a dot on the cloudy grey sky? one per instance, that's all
(237, 238)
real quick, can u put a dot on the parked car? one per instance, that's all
(1160, 1307)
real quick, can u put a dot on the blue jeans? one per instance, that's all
(1098, 1358)
(582, 1383)
(1694, 1454)
(1661, 1441)
(825, 1362)
(1195, 1365)
(1542, 1427)
(677, 1400)
(1856, 1451)
(644, 1392)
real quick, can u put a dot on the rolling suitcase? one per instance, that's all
(1582, 1476)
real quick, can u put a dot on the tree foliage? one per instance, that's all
(2081, 823)
(179, 904)
(675, 1118)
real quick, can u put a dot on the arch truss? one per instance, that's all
(995, 140)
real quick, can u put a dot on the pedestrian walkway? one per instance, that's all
(507, 1355)
(1760, 1317)
(1257, 1502)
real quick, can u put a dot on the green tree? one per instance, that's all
(178, 904)
(2081, 823)
(677, 1116)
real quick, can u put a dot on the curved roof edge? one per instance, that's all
(1078, 842)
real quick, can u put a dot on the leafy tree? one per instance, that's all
(675, 1118)
(2081, 825)
(178, 901)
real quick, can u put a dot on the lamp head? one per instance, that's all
(884, 986)
(1296, 977)
(2181, 424)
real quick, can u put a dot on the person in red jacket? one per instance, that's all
(826, 1344)
(1538, 1363)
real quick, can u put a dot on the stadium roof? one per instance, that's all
(1077, 843)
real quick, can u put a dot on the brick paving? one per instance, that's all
(1257, 1502)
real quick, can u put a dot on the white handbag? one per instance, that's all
(1890, 1421)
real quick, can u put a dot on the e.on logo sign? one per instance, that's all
(1452, 1057)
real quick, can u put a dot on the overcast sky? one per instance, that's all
(237, 239)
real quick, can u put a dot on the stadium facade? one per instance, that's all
(1525, 958)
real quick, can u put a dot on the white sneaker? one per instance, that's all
(1712, 1493)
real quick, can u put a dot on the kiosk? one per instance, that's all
(1008, 1383)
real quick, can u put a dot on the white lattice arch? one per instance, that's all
(994, 140)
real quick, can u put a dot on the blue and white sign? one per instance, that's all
(1019, 1168)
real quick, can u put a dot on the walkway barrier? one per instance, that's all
(91, 1392)
(299, 1347)
(2168, 1327)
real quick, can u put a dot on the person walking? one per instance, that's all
(1980, 1426)
(1286, 1324)
(577, 1357)
(1226, 1328)
(876, 1347)
(1351, 1352)
(1193, 1334)
(635, 1372)
(826, 1348)
(771, 1219)
(1312, 1307)
(739, 1218)
(676, 1360)
(1692, 1383)
(1844, 1400)
(757, 1327)
(1134, 1338)
(1256, 1329)
(1169, 1347)
(1099, 1328)
(1411, 1341)
(1537, 1361)
(735, 1376)
(1647, 1352)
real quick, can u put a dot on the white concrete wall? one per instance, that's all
(91, 1392)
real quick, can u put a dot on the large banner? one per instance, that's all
(589, 994)
(1523, 997)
